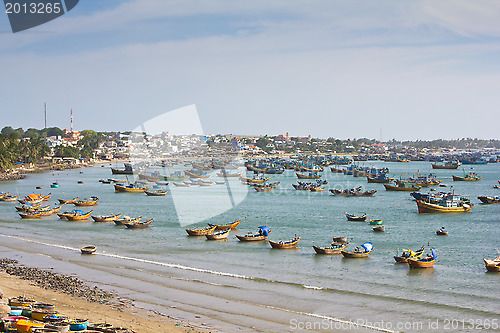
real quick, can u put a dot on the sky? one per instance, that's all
(404, 70)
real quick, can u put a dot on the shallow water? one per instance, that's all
(278, 290)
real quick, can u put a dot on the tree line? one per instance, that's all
(19, 146)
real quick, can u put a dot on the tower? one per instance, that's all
(71, 127)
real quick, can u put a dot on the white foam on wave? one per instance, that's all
(202, 270)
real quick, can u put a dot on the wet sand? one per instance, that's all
(131, 317)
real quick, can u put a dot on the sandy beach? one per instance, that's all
(131, 317)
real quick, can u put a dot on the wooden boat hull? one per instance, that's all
(121, 188)
(375, 222)
(377, 181)
(317, 189)
(200, 231)
(401, 260)
(415, 263)
(251, 238)
(347, 254)
(109, 218)
(138, 225)
(492, 265)
(9, 198)
(88, 249)
(121, 172)
(390, 187)
(329, 250)
(448, 167)
(229, 175)
(68, 202)
(379, 228)
(156, 193)
(127, 220)
(263, 189)
(87, 203)
(355, 218)
(489, 200)
(30, 215)
(425, 207)
(218, 235)
(302, 176)
(291, 244)
(226, 226)
(76, 217)
(465, 179)
(441, 233)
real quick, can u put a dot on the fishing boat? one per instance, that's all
(218, 235)
(127, 219)
(402, 186)
(288, 244)
(128, 170)
(261, 235)
(68, 201)
(156, 193)
(379, 178)
(205, 183)
(35, 198)
(9, 198)
(30, 215)
(469, 177)
(131, 188)
(316, 189)
(448, 204)
(362, 251)
(138, 224)
(24, 325)
(87, 202)
(379, 228)
(50, 211)
(254, 180)
(425, 262)
(339, 239)
(448, 165)
(356, 218)
(176, 176)
(442, 232)
(54, 185)
(89, 249)
(200, 231)
(31, 207)
(492, 265)
(231, 225)
(310, 175)
(181, 184)
(376, 222)
(3, 194)
(78, 215)
(356, 192)
(301, 187)
(489, 200)
(21, 301)
(407, 253)
(224, 173)
(106, 218)
(334, 249)
(78, 324)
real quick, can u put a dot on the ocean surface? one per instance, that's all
(244, 287)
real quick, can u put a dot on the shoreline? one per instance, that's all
(17, 279)
(22, 173)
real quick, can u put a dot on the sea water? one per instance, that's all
(249, 286)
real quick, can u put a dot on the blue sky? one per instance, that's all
(346, 69)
